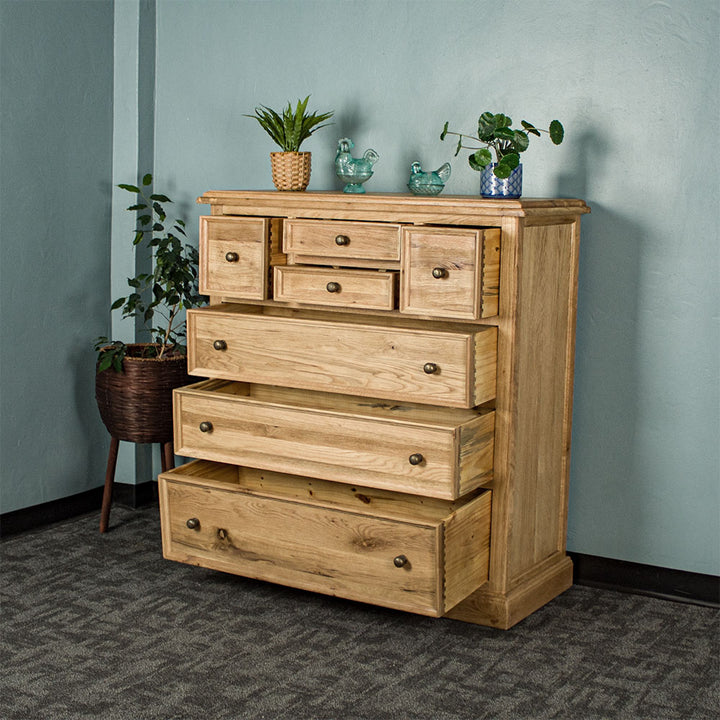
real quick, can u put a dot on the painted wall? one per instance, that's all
(636, 84)
(55, 172)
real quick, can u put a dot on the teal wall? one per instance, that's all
(55, 172)
(636, 84)
(634, 81)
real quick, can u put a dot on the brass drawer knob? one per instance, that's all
(232, 257)
(220, 345)
(415, 459)
(439, 272)
(430, 368)
(193, 524)
(206, 426)
(333, 287)
(400, 561)
(342, 240)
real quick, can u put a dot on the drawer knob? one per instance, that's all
(415, 459)
(439, 272)
(333, 287)
(430, 368)
(342, 240)
(232, 257)
(206, 426)
(400, 561)
(220, 345)
(193, 524)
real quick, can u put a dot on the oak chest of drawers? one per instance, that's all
(386, 414)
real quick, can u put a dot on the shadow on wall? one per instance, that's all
(605, 510)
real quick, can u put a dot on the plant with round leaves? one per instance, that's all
(289, 129)
(158, 297)
(496, 136)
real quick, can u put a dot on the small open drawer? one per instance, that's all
(400, 551)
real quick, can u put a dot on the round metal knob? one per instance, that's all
(342, 240)
(193, 524)
(415, 459)
(430, 368)
(206, 426)
(232, 256)
(220, 345)
(439, 272)
(400, 561)
(333, 287)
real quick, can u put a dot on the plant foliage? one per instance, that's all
(496, 136)
(157, 298)
(289, 129)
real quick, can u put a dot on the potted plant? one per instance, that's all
(290, 167)
(500, 142)
(134, 381)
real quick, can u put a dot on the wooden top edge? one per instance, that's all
(303, 201)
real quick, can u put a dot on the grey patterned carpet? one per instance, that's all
(102, 627)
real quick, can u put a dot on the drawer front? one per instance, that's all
(451, 368)
(386, 561)
(341, 241)
(450, 272)
(390, 446)
(234, 256)
(365, 289)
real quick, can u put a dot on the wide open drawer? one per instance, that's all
(414, 554)
(436, 452)
(453, 365)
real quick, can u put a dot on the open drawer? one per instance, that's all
(432, 451)
(400, 551)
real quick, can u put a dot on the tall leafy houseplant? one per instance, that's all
(289, 129)
(159, 297)
(134, 382)
(500, 143)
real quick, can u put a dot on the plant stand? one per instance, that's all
(167, 459)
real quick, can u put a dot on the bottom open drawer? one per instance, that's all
(402, 551)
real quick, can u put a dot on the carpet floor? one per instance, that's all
(101, 626)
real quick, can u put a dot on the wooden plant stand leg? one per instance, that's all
(167, 453)
(109, 480)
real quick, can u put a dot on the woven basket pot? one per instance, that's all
(290, 170)
(136, 405)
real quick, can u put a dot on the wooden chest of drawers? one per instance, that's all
(387, 417)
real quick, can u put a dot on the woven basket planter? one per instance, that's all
(136, 405)
(290, 170)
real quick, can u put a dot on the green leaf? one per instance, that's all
(117, 362)
(144, 219)
(129, 188)
(480, 158)
(160, 198)
(486, 126)
(520, 141)
(444, 130)
(557, 132)
(138, 237)
(137, 207)
(147, 179)
(506, 165)
(106, 361)
(505, 133)
(459, 146)
(118, 303)
(157, 227)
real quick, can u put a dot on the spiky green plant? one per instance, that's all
(497, 136)
(290, 129)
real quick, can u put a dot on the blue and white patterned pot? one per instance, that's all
(495, 187)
